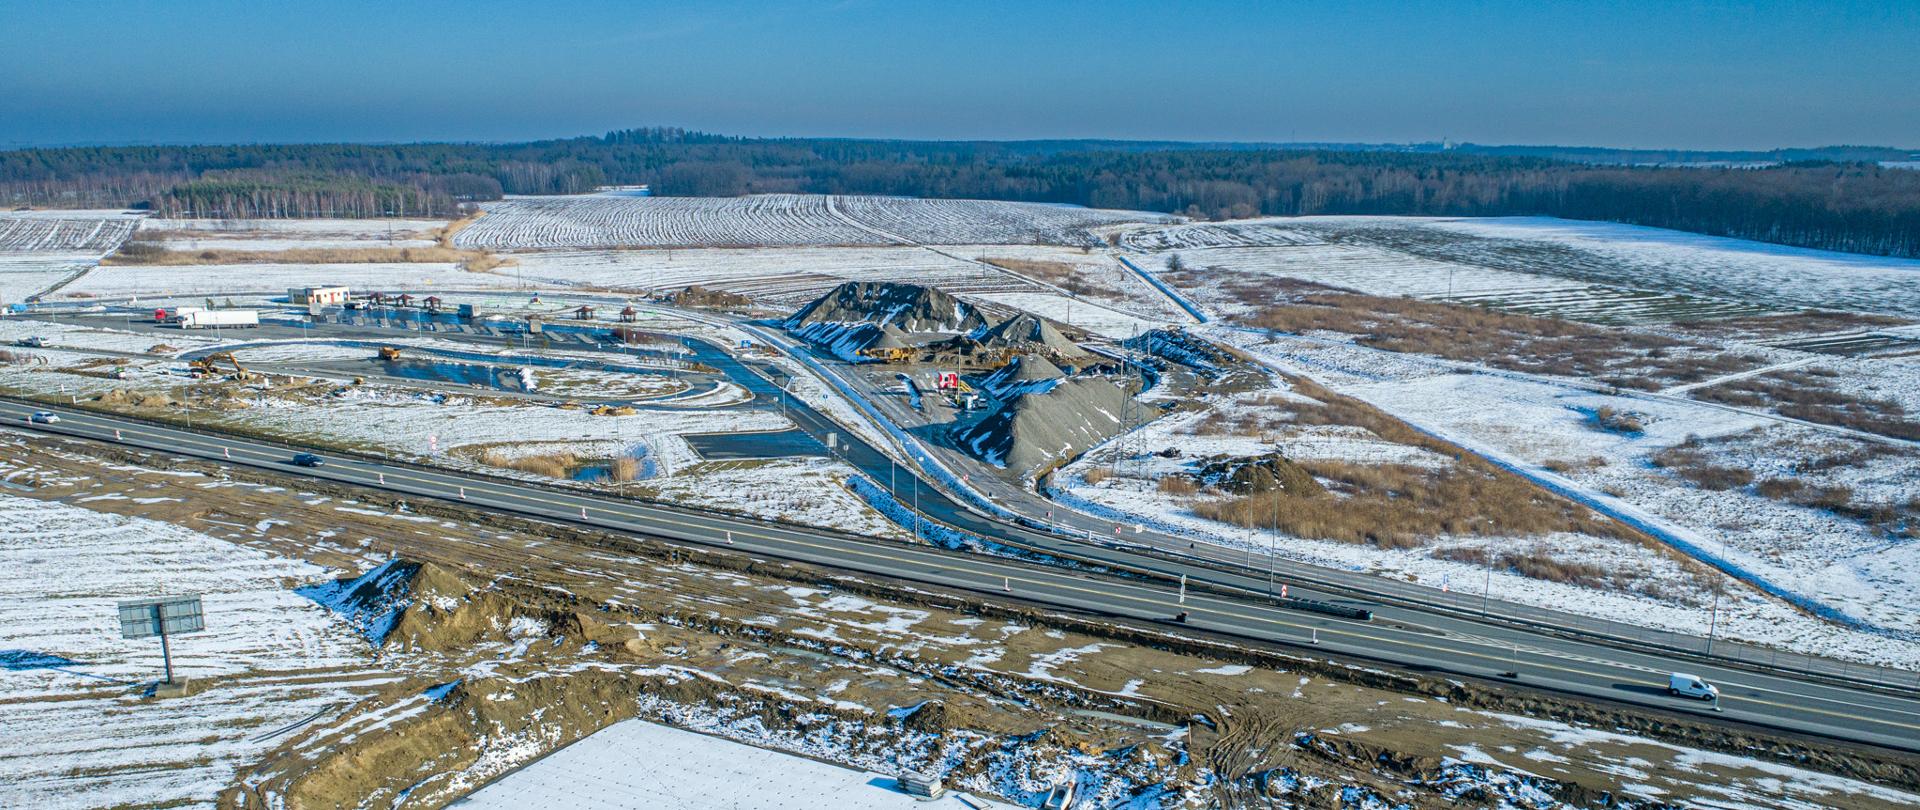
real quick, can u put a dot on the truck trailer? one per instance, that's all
(210, 318)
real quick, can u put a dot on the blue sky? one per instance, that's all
(1719, 75)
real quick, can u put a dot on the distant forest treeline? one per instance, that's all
(1857, 207)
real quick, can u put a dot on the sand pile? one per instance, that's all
(137, 399)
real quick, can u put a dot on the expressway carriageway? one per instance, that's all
(1411, 640)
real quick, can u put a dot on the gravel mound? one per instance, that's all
(1026, 374)
(862, 315)
(1039, 428)
(906, 307)
(1179, 346)
(1029, 332)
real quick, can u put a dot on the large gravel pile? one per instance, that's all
(1035, 429)
(861, 315)
(907, 307)
(1029, 332)
(1026, 374)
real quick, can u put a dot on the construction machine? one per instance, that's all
(389, 353)
(888, 354)
(210, 365)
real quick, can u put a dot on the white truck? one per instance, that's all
(208, 318)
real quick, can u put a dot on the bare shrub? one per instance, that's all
(1618, 421)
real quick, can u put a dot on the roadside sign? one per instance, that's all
(166, 615)
(162, 616)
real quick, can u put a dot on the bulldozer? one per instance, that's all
(888, 354)
(389, 353)
(210, 365)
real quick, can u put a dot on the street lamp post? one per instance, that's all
(1486, 590)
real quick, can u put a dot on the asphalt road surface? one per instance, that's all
(1419, 641)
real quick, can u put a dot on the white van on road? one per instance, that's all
(1680, 684)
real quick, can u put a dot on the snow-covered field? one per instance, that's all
(121, 281)
(1591, 271)
(286, 234)
(1826, 560)
(38, 249)
(967, 222)
(776, 220)
(1659, 259)
(78, 733)
(778, 277)
(1264, 232)
(86, 232)
(31, 274)
(1368, 269)
(1842, 559)
(626, 765)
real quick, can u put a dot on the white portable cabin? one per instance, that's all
(306, 296)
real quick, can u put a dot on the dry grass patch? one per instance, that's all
(1810, 322)
(153, 254)
(1400, 506)
(551, 465)
(1619, 357)
(1688, 460)
(1178, 485)
(1565, 466)
(1064, 275)
(1807, 394)
(1533, 564)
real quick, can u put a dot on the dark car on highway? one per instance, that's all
(308, 460)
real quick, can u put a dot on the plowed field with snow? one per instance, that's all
(771, 220)
(86, 232)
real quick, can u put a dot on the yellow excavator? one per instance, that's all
(389, 353)
(210, 365)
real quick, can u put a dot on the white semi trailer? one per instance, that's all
(209, 318)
